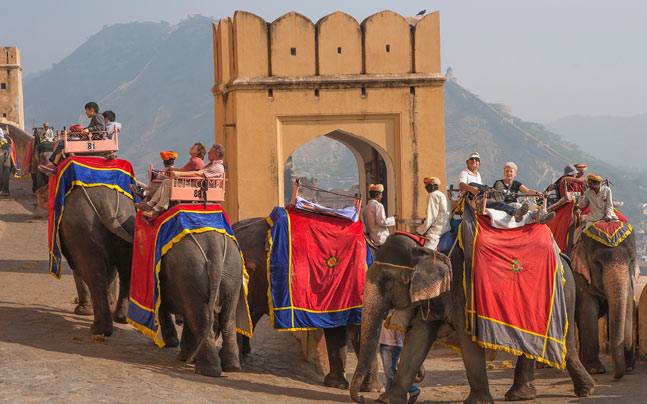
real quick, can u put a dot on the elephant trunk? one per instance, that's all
(617, 285)
(373, 313)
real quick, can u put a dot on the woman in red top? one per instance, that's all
(197, 152)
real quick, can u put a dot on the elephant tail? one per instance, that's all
(215, 274)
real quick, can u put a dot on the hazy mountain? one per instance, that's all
(158, 80)
(620, 140)
(156, 77)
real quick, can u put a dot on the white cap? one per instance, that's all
(474, 155)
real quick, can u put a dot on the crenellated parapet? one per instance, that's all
(293, 49)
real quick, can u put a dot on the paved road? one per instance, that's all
(47, 354)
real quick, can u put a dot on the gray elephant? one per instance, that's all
(413, 273)
(201, 279)
(252, 237)
(610, 289)
(96, 239)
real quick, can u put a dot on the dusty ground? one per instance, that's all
(46, 353)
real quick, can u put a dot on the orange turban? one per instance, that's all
(594, 178)
(376, 187)
(168, 155)
(431, 180)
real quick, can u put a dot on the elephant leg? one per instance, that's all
(474, 361)
(207, 362)
(169, 334)
(227, 325)
(523, 387)
(244, 342)
(124, 265)
(586, 317)
(417, 342)
(336, 347)
(187, 345)
(630, 346)
(84, 304)
(101, 307)
(371, 381)
(583, 383)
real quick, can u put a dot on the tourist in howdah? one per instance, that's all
(196, 156)
(391, 343)
(97, 125)
(438, 213)
(160, 200)
(375, 220)
(508, 190)
(46, 134)
(112, 126)
(469, 180)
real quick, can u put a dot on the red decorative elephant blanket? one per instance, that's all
(514, 290)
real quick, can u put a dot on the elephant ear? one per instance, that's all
(432, 275)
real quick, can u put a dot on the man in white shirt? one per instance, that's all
(46, 135)
(438, 213)
(375, 221)
(470, 177)
(599, 199)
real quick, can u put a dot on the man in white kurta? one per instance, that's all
(599, 200)
(376, 222)
(438, 214)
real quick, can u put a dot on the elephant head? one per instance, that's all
(403, 275)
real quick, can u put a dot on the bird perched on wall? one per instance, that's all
(422, 12)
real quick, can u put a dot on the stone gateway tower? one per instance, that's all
(11, 101)
(375, 87)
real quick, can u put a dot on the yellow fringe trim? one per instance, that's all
(606, 242)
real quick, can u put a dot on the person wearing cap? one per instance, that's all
(438, 213)
(470, 175)
(599, 199)
(376, 222)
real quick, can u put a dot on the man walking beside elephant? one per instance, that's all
(438, 213)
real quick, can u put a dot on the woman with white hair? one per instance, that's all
(509, 189)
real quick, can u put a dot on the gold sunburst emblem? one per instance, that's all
(516, 266)
(331, 262)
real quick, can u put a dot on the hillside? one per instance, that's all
(157, 78)
(594, 134)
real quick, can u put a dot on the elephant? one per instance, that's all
(610, 290)
(201, 279)
(96, 231)
(412, 274)
(252, 237)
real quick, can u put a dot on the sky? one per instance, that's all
(546, 59)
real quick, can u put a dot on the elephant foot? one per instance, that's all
(372, 385)
(208, 370)
(584, 391)
(171, 342)
(101, 329)
(521, 393)
(479, 398)
(83, 310)
(336, 381)
(230, 362)
(595, 368)
(119, 318)
(183, 356)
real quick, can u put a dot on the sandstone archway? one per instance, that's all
(377, 88)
